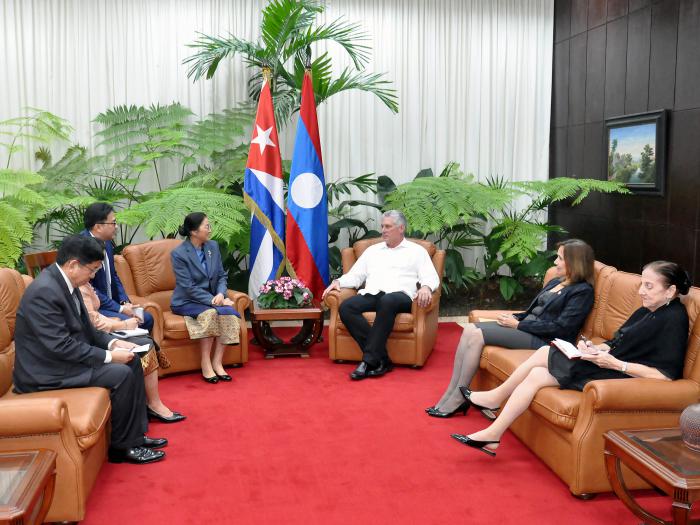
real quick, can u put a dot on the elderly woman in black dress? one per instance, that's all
(650, 344)
(558, 311)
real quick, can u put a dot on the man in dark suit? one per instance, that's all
(101, 224)
(57, 347)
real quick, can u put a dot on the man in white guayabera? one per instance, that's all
(390, 271)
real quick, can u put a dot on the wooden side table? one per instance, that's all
(661, 458)
(27, 480)
(298, 345)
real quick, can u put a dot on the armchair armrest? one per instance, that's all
(20, 417)
(156, 311)
(417, 310)
(241, 301)
(639, 394)
(335, 297)
(476, 315)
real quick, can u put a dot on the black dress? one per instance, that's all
(656, 339)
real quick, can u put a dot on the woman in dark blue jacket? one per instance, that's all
(200, 295)
(558, 311)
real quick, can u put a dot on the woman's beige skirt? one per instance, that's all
(210, 324)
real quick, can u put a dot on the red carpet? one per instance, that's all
(294, 441)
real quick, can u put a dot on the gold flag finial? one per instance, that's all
(267, 74)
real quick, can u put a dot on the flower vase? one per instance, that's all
(690, 427)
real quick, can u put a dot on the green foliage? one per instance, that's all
(163, 213)
(460, 213)
(21, 201)
(288, 30)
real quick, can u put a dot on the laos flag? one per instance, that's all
(307, 205)
(263, 194)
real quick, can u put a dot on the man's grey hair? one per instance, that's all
(398, 217)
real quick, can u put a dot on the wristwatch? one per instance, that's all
(624, 367)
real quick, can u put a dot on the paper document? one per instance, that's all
(130, 333)
(568, 349)
(140, 349)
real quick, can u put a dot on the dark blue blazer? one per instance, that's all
(563, 316)
(99, 282)
(192, 283)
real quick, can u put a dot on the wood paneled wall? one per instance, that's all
(620, 57)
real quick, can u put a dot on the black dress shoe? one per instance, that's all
(224, 377)
(154, 442)
(213, 379)
(360, 372)
(152, 414)
(434, 412)
(137, 455)
(383, 368)
(488, 413)
(479, 445)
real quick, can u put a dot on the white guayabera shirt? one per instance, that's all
(388, 270)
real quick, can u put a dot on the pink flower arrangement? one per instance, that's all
(284, 292)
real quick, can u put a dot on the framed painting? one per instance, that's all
(636, 151)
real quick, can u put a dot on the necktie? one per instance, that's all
(203, 260)
(108, 277)
(76, 300)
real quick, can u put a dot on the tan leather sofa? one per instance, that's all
(72, 422)
(565, 428)
(147, 275)
(414, 334)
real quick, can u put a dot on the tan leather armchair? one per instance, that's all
(147, 275)
(73, 422)
(565, 428)
(414, 334)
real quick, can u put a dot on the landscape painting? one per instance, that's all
(635, 151)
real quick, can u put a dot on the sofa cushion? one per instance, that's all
(174, 326)
(88, 408)
(402, 323)
(501, 362)
(559, 407)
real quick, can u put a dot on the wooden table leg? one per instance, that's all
(612, 464)
(681, 511)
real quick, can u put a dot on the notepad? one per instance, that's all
(569, 350)
(140, 349)
(122, 334)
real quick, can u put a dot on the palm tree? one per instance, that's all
(287, 31)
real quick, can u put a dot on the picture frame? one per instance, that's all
(635, 149)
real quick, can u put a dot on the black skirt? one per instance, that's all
(573, 374)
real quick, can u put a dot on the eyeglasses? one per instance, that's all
(93, 271)
(205, 227)
(113, 223)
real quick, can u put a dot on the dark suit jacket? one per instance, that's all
(99, 282)
(192, 283)
(563, 316)
(54, 346)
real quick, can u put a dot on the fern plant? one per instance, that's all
(288, 30)
(460, 212)
(21, 202)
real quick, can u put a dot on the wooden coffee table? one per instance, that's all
(660, 457)
(27, 481)
(298, 345)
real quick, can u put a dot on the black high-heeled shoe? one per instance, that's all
(213, 379)
(430, 408)
(224, 377)
(487, 412)
(473, 443)
(439, 413)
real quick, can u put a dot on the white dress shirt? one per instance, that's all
(388, 270)
(108, 356)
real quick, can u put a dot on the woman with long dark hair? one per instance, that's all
(558, 311)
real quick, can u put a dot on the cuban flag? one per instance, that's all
(263, 194)
(307, 204)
